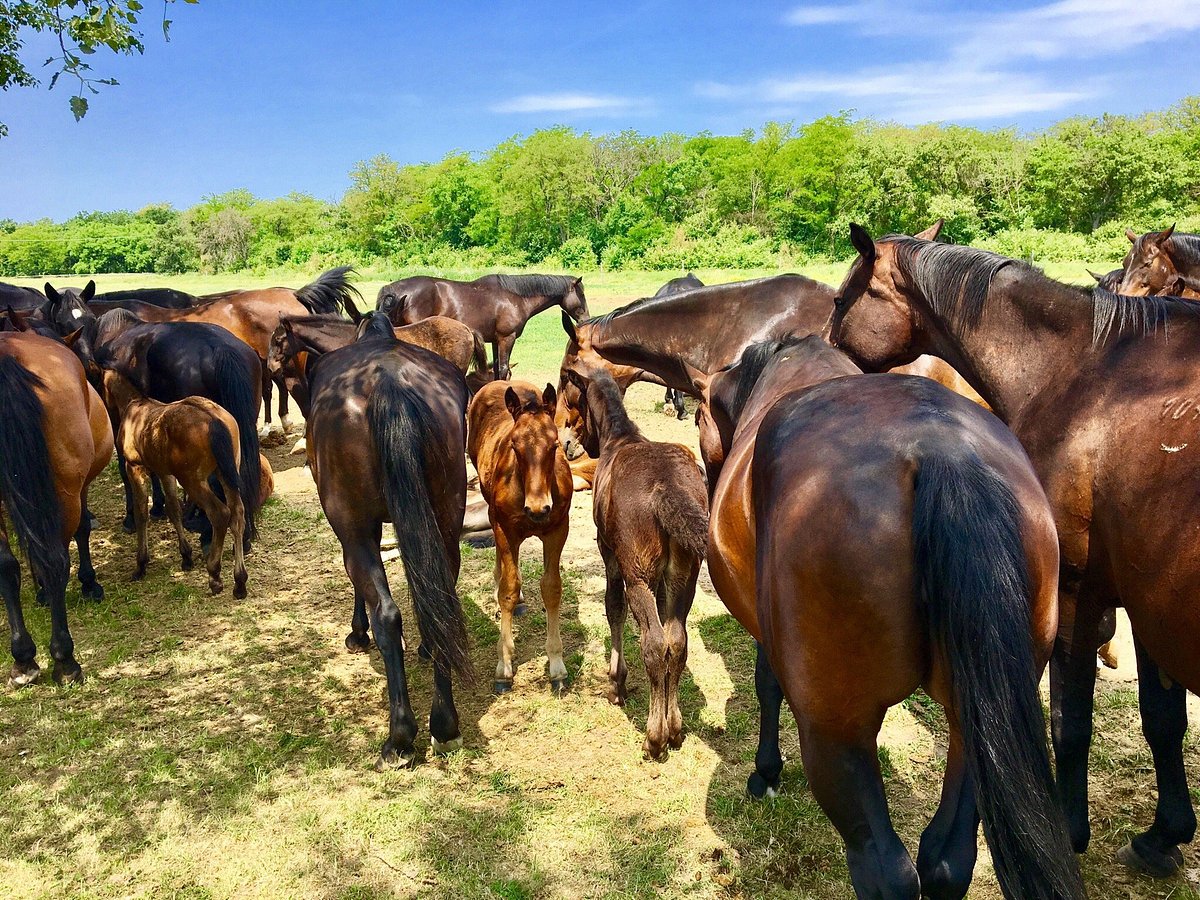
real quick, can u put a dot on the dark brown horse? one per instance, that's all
(676, 286)
(525, 479)
(877, 534)
(20, 298)
(55, 440)
(495, 306)
(1162, 263)
(651, 511)
(386, 443)
(1103, 391)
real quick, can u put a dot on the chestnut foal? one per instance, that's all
(525, 478)
(188, 442)
(650, 504)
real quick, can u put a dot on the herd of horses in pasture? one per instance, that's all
(944, 474)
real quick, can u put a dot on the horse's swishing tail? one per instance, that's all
(401, 424)
(26, 481)
(478, 352)
(236, 395)
(220, 441)
(973, 579)
(682, 517)
(330, 291)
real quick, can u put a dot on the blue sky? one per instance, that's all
(278, 97)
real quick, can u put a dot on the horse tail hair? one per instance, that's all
(683, 515)
(478, 352)
(402, 428)
(329, 291)
(236, 396)
(974, 583)
(26, 480)
(220, 442)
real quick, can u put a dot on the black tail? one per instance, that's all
(330, 291)
(220, 441)
(479, 352)
(26, 482)
(974, 582)
(683, 515)
(402, 426)
(235, 394)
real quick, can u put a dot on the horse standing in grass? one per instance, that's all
(877, 534)
(650, 505)
(185, 442)
(54, 441)
(527, 483)
(1102, 390)
(496, 306)
(1161, 263)
(386, 444)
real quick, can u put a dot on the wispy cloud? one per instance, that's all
(567, 102)
(827, 14)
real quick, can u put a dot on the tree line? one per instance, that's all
(560, 198)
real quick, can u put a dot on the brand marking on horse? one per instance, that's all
(1178, 407)
(1169, 449)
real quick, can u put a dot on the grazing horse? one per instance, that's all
(676, 286)
(651, 511)
(55, 440)
(173, 360)
(1162, 263)
(877, 534)
(495, 306)
(386, 444)
(184, 443)
(527, 483)
(1102, 390)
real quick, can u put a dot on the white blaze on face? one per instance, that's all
(76, 314)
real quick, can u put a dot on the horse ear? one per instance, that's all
(576, 378)
(513, 402)
(862, 241)
(18, 321)
(1165, 235)
(51, 293)
(578, 283)
(88, 292)
(1129, 234)
(71, 338)
(1098, 278)
(550, 399)
(931, 233)
(569, 326)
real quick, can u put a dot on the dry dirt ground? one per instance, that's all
(225, 749)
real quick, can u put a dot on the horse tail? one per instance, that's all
(478, 352)
(329, 291)
(220, 442)
(683, 515)
(974, 583)
(26, 480)
(235, 394)
(402, 428)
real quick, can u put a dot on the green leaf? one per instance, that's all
(79, 106)
(166, 29)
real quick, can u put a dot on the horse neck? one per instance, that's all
(532, 305)
(624, 343)
(607, 411)
(1031, 336)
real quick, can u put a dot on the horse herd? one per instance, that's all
(875, 533)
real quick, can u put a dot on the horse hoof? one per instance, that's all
(652, 755)
(758, 787)
(93, 591)
(675, 741)
(215, 587)
(447, 748)
(358, 643)
(67, 673)
(127, 526)
(501, 687)
(615, 697)
(520, 609)
(239, 591)
(390, 760)
(186, 564)
(558, 686)
(423, 653)
(24, 677)
(1160, 865)
(301, 446)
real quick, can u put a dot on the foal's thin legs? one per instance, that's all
(552, 547)
(615, 610)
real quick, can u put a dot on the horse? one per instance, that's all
(1162, 263)
(650, 506)
(20, 298)
(495, 306)
(675, 286)
(1110, 281)
(386, 444)
(524, 476)
(876, 533)
(168, 298)
(56, 439)
(1101, 390)
(187, 442)
(173, 360)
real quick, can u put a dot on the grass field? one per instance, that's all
(224, 750)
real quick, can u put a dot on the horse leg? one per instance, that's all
(504, 345)
(137, 485)
(158, 507)
(552, 547)
(89, 587)
(237, 533)
(285, 421)
(680, 594)
(615, 610)
(218, 516)
(768, 760)
(844, 777)
(1163, 705)
(680, 409)
(358, 640)
(175, 514)
(508, 592)
(267, 383)
(444, 733)
(946, 859)
(127, 525)
(644, 606)
(25, 668)
(62, 646)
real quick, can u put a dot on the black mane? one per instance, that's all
(536, 285)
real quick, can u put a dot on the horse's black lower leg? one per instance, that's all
(358, 640)
(1164, 722)
(1072, 684)
(62, 645)
(158, 509)
(25, 668)
(680, 410)
(89, 587)
(768, 760)
(443, 716)
(946, 860)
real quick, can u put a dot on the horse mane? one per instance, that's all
(1185, 249)
(1117, 313)
(116, 320)
(376, 326)
(536, 285)
(330, 292)
(751, 367)
(609, 394)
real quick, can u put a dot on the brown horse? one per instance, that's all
(184, 443)
(527, 483)
(55, 440)
(876, 534)
(386, 444)
(1102, 391)
(495, 306)
(651, 511)
(1162, 263)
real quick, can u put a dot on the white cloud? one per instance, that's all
(827, 14)
(566, 102)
